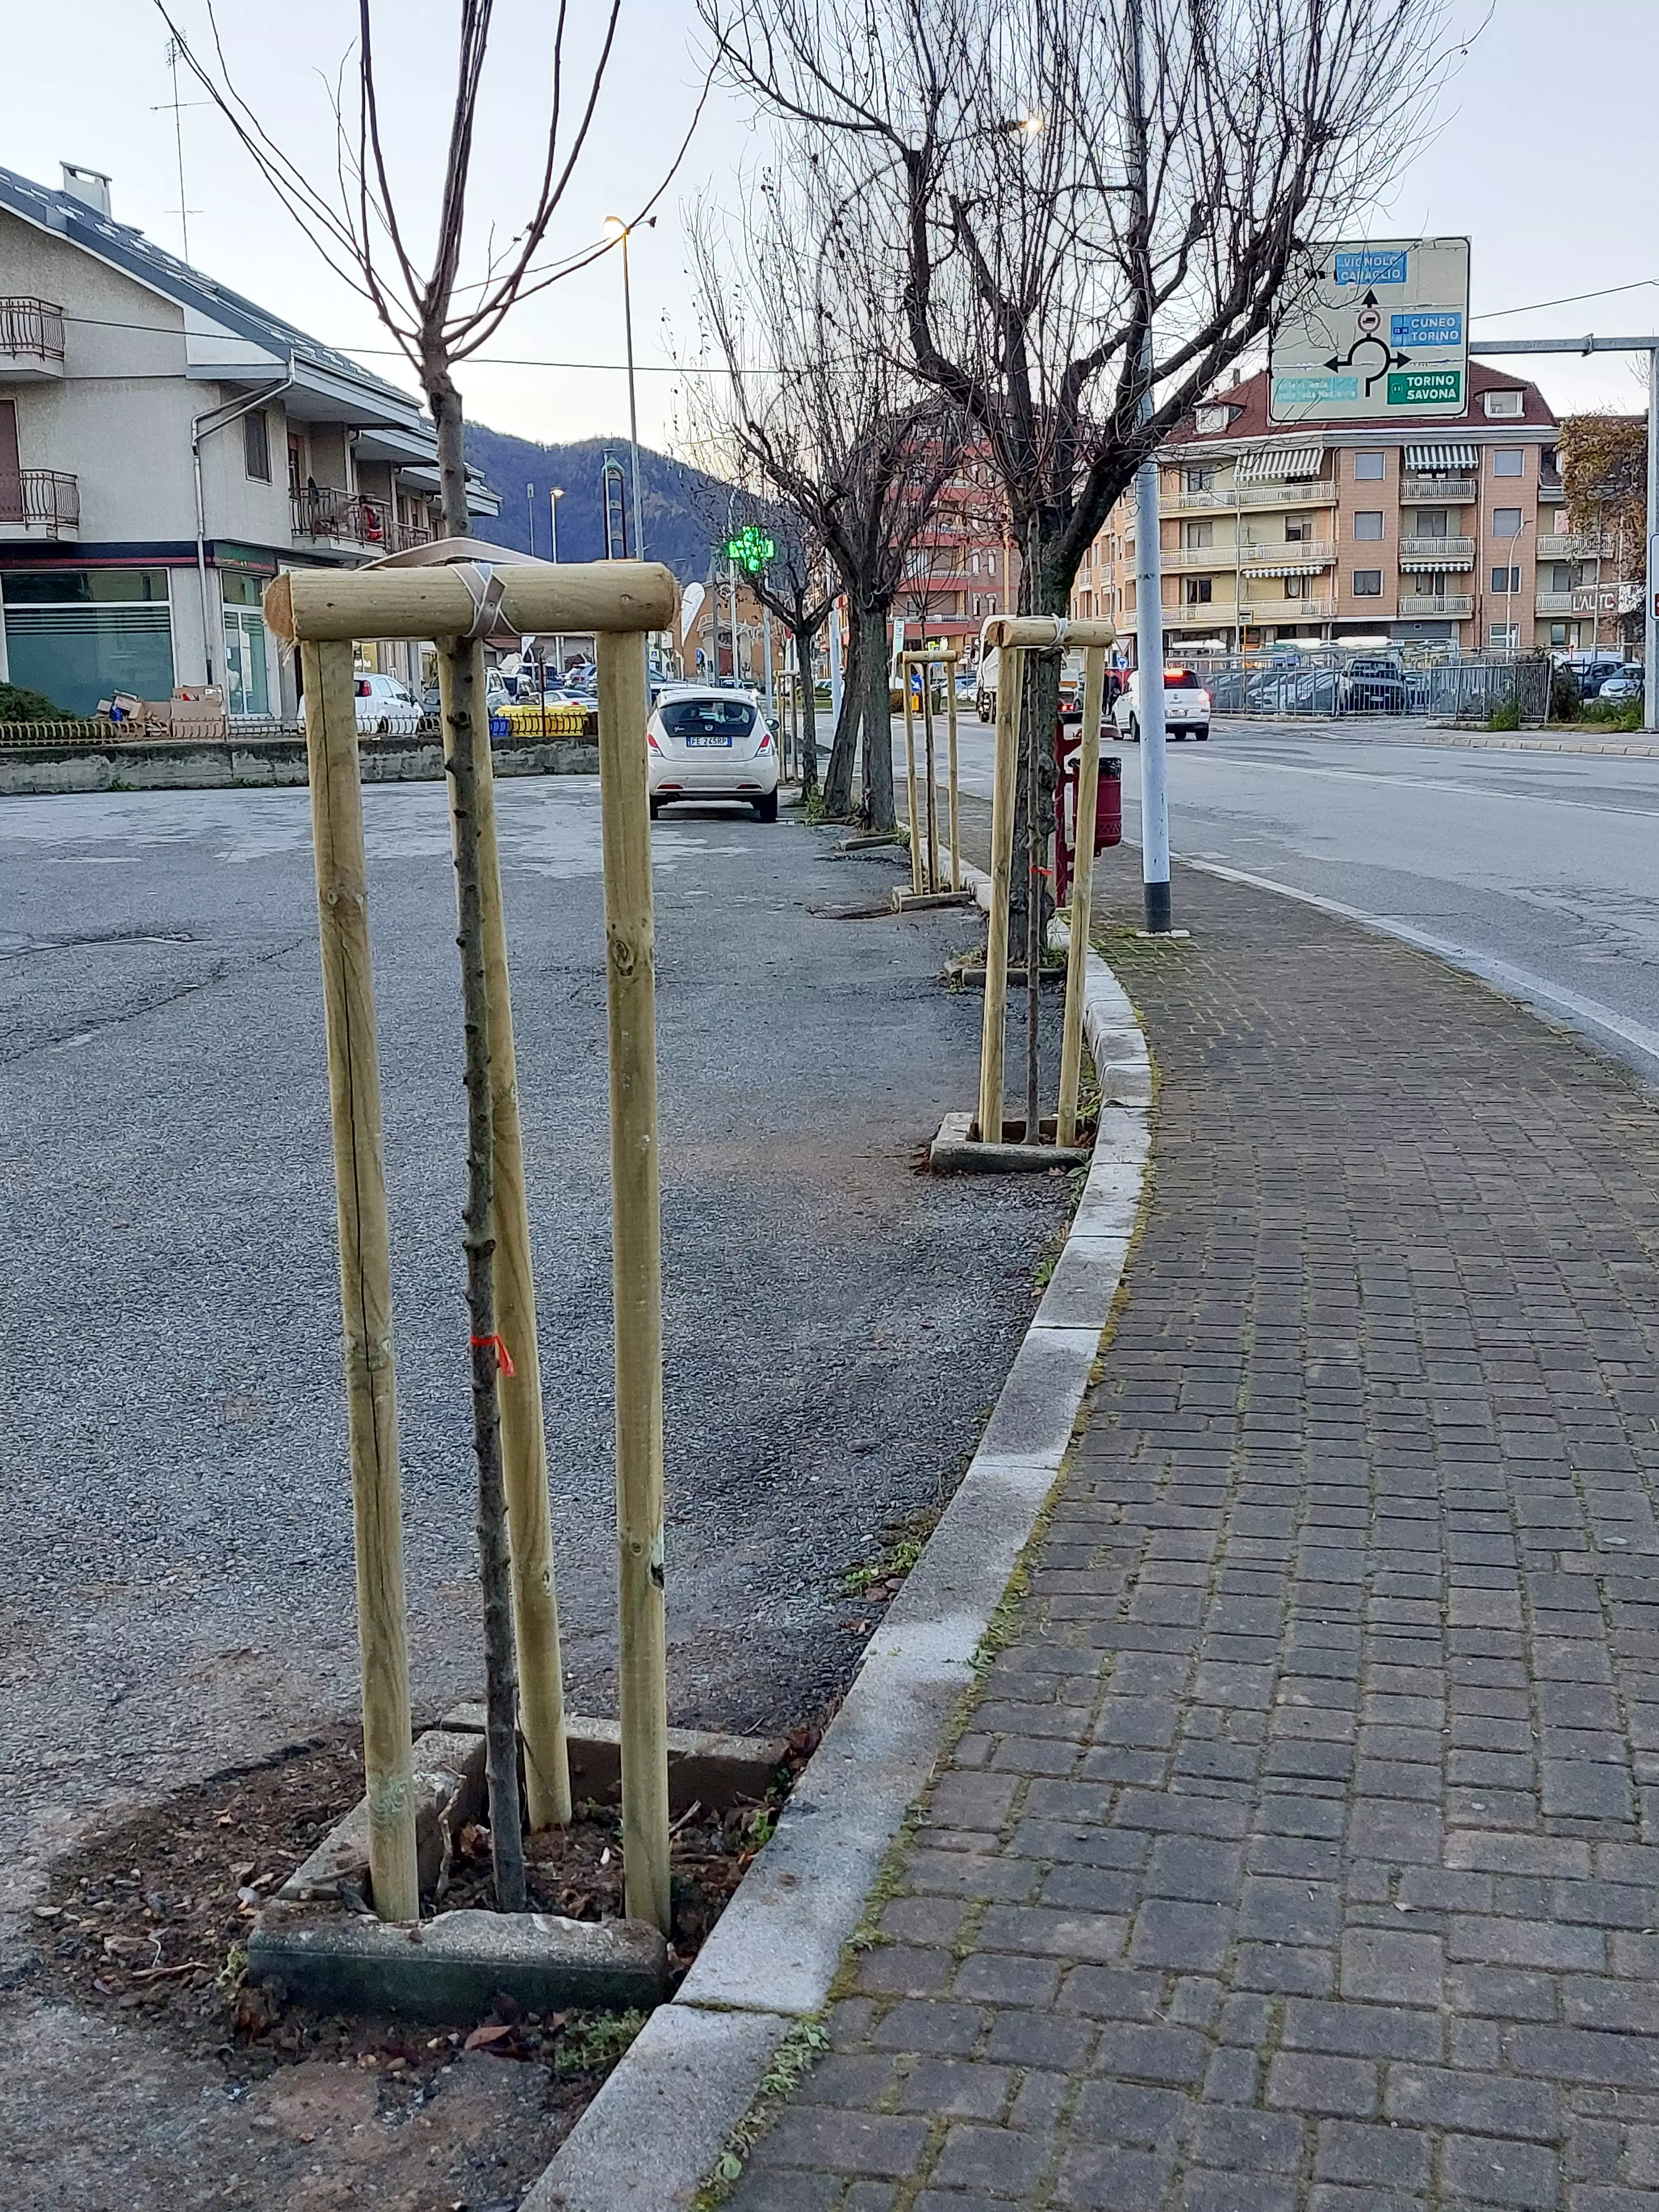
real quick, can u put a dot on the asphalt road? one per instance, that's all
(1538, 871)
(176, 1592)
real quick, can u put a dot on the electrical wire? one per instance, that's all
(1569, 299)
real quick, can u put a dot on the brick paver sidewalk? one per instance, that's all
(1303, 1851)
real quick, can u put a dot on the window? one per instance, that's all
(1557, 633)
(1368, 523)
(1295, 588)
(1504, 402)
(1209, 420)
(1430, 522)
(1565, 576)
(1506, 522)
(1201, 479)
(1198, 590)
(256, 445)
(1368, 583)
(1509, 461)
(1369, 468)
(990, 564)
(80, 634)
(706, 720)
(1506, 580)
(1503, 635)
(1199, 533)
(1298, 529)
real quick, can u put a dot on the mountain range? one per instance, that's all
(685, 509)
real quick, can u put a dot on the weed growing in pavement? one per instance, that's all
(891, 1565)
(813, 813)
(1505, 715)
(596, 2045)
(798, 2052)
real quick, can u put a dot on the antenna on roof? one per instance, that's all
(175, 104)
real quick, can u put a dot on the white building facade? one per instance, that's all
(166, 447)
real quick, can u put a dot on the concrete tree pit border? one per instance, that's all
(320, 1942)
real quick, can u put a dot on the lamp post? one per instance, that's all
(615, 228)
(530, 510)
(555, 492)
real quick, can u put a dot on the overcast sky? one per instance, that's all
(1540, 157)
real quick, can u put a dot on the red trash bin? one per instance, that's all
(1109, 807)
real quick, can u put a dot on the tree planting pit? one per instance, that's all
(319, 1943)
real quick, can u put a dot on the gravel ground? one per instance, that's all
(176, 1593)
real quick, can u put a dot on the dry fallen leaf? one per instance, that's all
(482, 2038)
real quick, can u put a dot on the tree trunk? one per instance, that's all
(495, 1562)
(843, 750)
(806, 734)
(446, 405)
(878, 720)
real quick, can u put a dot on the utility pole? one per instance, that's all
(1149, 580)
(615, 228)
(530, 508)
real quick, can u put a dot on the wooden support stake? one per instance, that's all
(910, 780)
(1010, 676)
(353, 1082)
(955, 836)
(524, 1436)
(1083, 871)
(636, 1274)
(932, 792)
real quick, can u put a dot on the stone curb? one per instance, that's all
(651, 2136)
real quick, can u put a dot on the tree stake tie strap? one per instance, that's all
(503, 1357)
(484, 588)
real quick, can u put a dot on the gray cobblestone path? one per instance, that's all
(1302, 1854)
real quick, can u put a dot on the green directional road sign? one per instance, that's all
(752, 549)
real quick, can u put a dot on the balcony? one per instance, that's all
(39, 503)
(1558, 602)
(351, 521)
(1459, 605)
(1577, 546)
(1434, 491)
(1313, 491)
(31, 340)
(1437, 552)
(1316, 606)
(1311, 550)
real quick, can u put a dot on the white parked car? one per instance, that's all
(707, 742)
(385, 708)
(1186, 706)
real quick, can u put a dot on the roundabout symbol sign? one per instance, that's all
(1377, 332)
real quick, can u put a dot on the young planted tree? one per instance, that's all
(439, 315)
(804, 322)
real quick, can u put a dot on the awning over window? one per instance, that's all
(1441, 460)
(1457, 557)
(1288, 464)
(1290, 569)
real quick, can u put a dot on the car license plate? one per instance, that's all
(706, 742)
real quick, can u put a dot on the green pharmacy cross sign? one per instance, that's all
(750, 548)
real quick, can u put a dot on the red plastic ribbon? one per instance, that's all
(503, 1357)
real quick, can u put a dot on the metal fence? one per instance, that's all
(1324, 684)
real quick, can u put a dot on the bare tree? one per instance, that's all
(1089, 213)
(440, 318)
(818, 404)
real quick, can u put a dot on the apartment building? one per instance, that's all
(963, 565)
(1454, 533)
(165, 447)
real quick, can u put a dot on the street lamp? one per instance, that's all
(555, 492)
(530, 508)
(617, 229)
